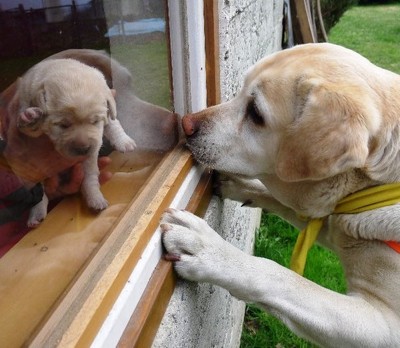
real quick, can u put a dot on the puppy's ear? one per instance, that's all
(42, 97)
(330, 133)
(39, 99)
(30, 120)
(111, 105)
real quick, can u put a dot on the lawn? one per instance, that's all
(148, 64)
(373, 31)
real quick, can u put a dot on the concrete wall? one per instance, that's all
(203, 315)
(249, 30)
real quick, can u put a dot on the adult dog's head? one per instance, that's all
(305, 114)
(74, 101)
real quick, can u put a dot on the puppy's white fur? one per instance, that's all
(71, 104)
(311, 125)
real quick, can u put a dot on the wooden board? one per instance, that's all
(304, 21)
(36, 272)
(146, 319)
(144, 322)
(78, 316)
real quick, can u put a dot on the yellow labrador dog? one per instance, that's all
(311, 125)
(71, 104)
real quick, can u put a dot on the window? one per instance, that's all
(60, 280)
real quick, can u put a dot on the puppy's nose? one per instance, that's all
(81, 150)
(190, 125)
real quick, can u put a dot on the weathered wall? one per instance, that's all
(249, 30)
(203, 315)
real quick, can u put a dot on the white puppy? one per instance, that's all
(69, 103)
(311, 125)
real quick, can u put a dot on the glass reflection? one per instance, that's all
(126, 41)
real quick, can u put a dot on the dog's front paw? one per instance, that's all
(198, 251)
(250, 192)
(38, 213)
(224, 186)
(124, 144)
(97, 204)
(227, 187)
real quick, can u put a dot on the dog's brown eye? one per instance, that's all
(253, 114)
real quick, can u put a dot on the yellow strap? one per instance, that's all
(305, 240)
(368, 199)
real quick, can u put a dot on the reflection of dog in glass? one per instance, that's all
(71, 104)
(153, 128)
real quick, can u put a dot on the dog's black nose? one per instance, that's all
(80, 150)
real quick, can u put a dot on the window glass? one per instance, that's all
(52, 120)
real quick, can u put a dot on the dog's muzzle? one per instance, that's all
(82, 150)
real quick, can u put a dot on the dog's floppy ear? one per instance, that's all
(30, 120)
(41, 98)
(111, 105)
(330, 133)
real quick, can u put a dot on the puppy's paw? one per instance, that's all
(124, 144)
(198, 251)
(97, 204)
(37, 213)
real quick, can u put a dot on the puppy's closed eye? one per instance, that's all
(95, 121)
(64, 124)
(253, 114)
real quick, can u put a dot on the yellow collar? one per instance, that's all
(368, 199)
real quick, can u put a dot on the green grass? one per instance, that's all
(148, 64)
(373, 31)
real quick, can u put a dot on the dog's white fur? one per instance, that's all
(70, 103)
(311, 125)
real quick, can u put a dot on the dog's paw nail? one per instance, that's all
(34, 224)
(217, 191)
(97, 208)
(170, 210)
(247, 203)
(130, 146)
(172, 257)
(127, 145)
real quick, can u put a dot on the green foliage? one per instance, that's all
(332, 10)
(263, 330)
(377, 2)
(374, 32)
(148, 64)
